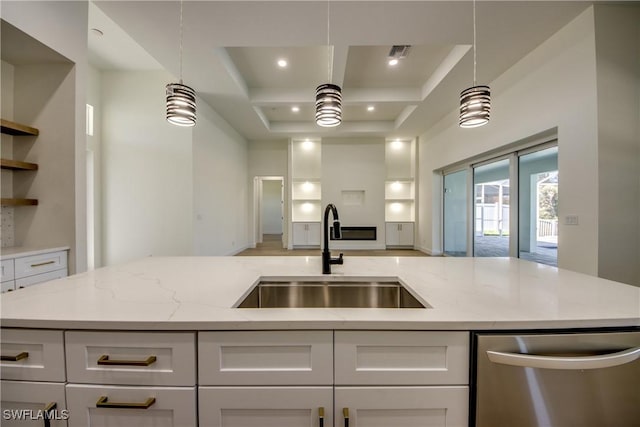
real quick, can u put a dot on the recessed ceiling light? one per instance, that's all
(282, 63)
(295, 108)
(393, 62)
(97, 32)
(371, 108)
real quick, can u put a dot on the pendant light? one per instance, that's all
(328, 95)
(181, 99)
(475, 102)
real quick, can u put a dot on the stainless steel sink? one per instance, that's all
(319, 293)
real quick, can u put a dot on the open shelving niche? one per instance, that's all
(306, 191)
(16, 129)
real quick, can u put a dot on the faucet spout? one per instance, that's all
(337, 234)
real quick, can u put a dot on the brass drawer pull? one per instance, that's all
(103, 402)
(321, 416)
(40, 264)
(104, 360)
(345, 414)
(15, 358)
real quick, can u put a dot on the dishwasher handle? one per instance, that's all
(556, 362)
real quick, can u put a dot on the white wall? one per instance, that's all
(147, 170)
(618, 71)
(553, 86)
(62, 25)
(353, 165)
(220, 188)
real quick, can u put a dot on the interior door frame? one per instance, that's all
(258, 182)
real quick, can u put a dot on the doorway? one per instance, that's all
(269, 211)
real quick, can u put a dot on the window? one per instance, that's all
(498, 221)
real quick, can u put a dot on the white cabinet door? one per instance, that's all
(112, 406)
(265, 358)
(406, 234)
(299, 234)
(313, 234)
(8, 286)
(41, 263)
(265, 406)
(24, 404)
(40, 278)
(401, 358)
(7, 270)
(402, 406)
(392, 234)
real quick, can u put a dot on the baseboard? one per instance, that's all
(237, 251)
(428, 251)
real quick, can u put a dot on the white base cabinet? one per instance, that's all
(265, 406)
(306, 234)
(120, 406)
(402, 406)
(399, 234)
(28, 403)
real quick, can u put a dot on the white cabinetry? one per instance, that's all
(131, 378)
(306, 234)
(265, 378)
(287, 378)
(410, 378)
(399, 234)
(400, 191)
(22, 271)
(32, 371)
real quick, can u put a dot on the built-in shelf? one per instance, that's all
(19, 202)
(17, 165)
(13, 128)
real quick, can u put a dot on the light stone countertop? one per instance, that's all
(12, 252)
(198, 293)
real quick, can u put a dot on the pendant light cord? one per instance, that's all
(329, 50)
(474, 43)
(180, 42)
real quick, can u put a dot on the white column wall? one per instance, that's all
(552, 87)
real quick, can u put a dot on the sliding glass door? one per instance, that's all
(491, 186)
(538, 206)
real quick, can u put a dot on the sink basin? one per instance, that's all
(322, 293)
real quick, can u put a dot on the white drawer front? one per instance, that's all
(40, 278)
(403, 406)
(401, 358)
(7, 270)
(38, 264)
(131, 358)
(8, 286)
(265, 406)
(44, 358)
(170, 407)
(265, 358)
(24, 402)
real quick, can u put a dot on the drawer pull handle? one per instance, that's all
(47, 409)
(40, 264)
(345, 413)
(321, 416)
(104, 360)
(15, 358)
(103, 402)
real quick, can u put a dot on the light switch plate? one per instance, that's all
(571, 220)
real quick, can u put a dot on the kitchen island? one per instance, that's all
(163, 338)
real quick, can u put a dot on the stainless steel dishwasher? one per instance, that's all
(559, 380)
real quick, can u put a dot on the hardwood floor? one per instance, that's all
(272, 246)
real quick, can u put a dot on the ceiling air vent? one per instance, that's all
(399, 51)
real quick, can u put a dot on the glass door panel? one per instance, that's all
(538, 210)
(491, 209)
(455, 213)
